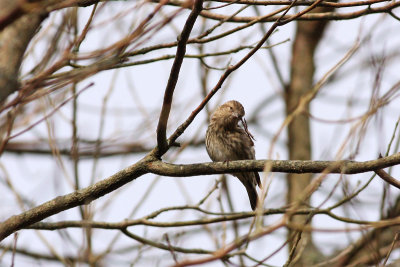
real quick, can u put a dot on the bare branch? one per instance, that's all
(148, 165)
(225, 75)
(162, 145)
(80, 197)
(162, 246)
(13, 41)
(304, 3)
(287, 166)
(388, 178)
(310, 16)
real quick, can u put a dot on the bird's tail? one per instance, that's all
(252, 192)
(249, 180)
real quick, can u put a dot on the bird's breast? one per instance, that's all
(217, 144)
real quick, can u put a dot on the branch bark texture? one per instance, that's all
(13, 42)
(162, 143)
(150, 165)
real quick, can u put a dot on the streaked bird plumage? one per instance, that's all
(226, 141)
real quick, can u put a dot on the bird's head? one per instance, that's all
(229, 114)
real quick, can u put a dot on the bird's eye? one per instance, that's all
(230, 108)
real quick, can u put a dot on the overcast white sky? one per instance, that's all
(41, 178)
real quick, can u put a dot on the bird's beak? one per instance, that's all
(244, 122)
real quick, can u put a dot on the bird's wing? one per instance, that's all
(244, 150)
(244, 146)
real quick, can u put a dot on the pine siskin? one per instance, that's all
(226, 140)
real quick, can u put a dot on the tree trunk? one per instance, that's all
(308, 35)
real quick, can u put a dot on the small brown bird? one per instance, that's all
(226, 140)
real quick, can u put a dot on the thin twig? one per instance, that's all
(51, 113)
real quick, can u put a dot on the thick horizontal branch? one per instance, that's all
(302, 3)
(180, 3)
(286, 166)
(150, 165)
(308, 16)
(77, 198)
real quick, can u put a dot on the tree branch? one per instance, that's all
(13, 42)
(162, 145)
(286, 166)
(79, 197)
(310, 16)
(148, 165)
(388, 178)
